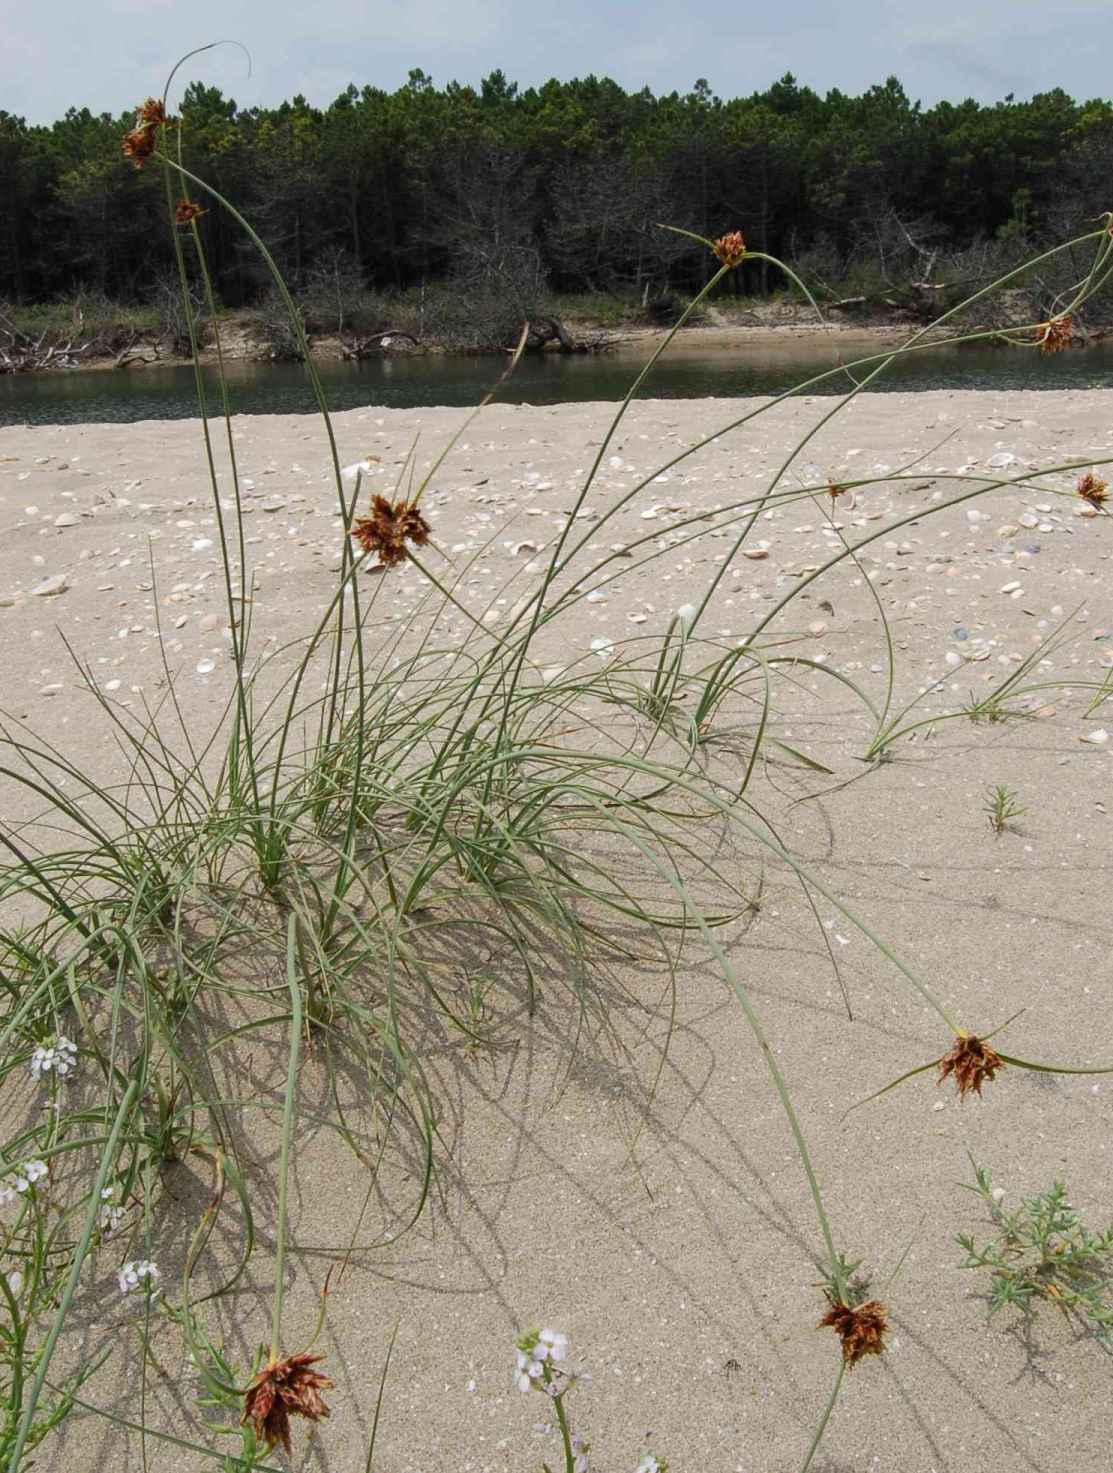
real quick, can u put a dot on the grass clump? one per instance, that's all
(389, 851)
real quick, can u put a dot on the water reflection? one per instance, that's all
(691, 371)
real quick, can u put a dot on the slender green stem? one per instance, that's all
(379, 1400)
(826, 1417)
(565, 1433)
(314, 379)
(235, 617)
(287, 1133)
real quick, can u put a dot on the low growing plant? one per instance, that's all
(1043, 1253)
(1001, 807)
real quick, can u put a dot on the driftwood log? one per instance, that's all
(543, 330)
(363, 347)
(130, 357)
(21, 353)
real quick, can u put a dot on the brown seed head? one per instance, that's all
(861, 1329)
(139, 143)
(389, 527)
(834, 490)
(187, 211)
(284, 1388)
(731, 248)
(1093, 489)
(1056, 334)
(970, 1061)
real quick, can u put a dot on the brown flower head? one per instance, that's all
(731, 248)
(1093, 489)
(284, 1388)
(861, 1329)
(187, 211)
(389, 527)
(970, 1061)
(1056, 334)
(153, 113)
(139, 143)
(834, 490)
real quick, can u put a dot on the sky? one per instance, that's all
(109, 54)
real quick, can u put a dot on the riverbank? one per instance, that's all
(657, 1212)
(240, 342)
(133, 339)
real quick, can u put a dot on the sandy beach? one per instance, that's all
(657, 1212)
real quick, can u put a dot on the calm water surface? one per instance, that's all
(262, 388)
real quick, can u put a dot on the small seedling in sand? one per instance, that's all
(1001, 807)
(991, 709)
(1043, 1251)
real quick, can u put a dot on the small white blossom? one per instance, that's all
(581, 1449)
(15, 1281)
(686, 613)
(132, 1274)
(539, 1364)
(108, 1219)
(20, 1179)
(552, 1344)
(60, 1056)
(527, 1372)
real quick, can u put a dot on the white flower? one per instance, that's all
(61, 1056)
(108, 1219)
(15, 1281)
(132, 1275)
(686, 613)
(553, 1344)
(581, 1450)
(21, 1179)
(42, 1061)
(527, 1372)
